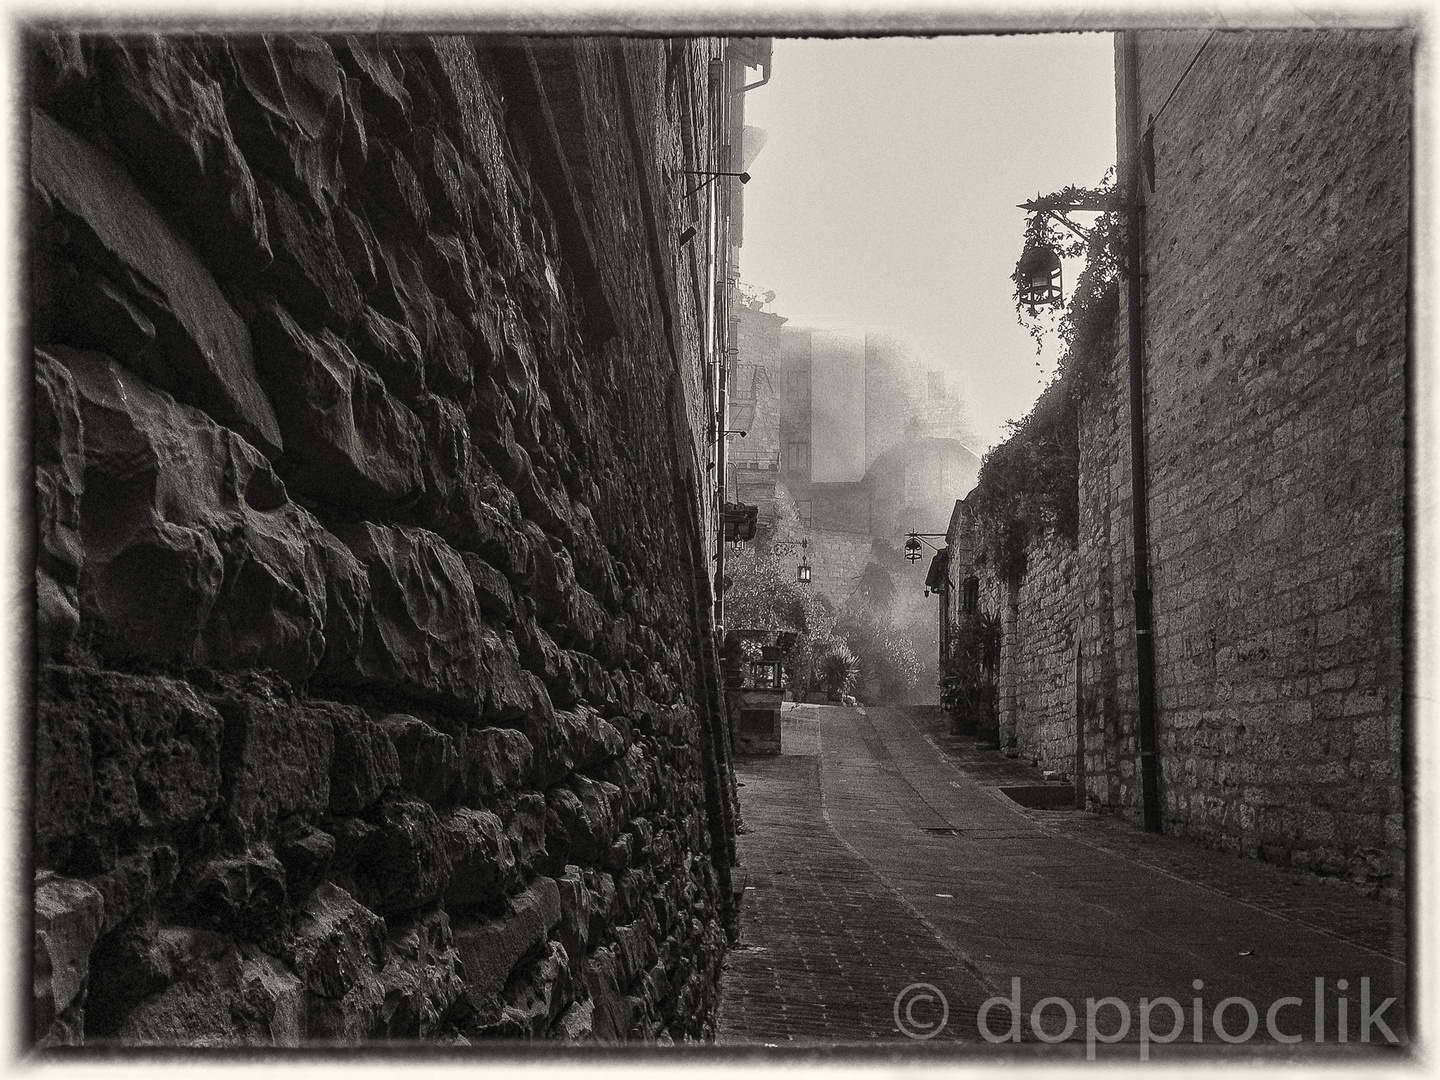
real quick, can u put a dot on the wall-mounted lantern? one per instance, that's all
(1038, 278)
(913, 550)
(802, 573)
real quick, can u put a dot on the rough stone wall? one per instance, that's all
(1275, 316)
(1276, 246)
(1037, 654)
(376, 696)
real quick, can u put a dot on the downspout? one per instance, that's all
(1140, 520)
(720, 90)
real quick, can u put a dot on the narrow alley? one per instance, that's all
(882, 853)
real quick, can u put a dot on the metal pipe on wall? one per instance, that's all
(1139, 516)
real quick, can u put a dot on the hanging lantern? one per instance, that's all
(802, 573)
(912, 549)
(1038, 277)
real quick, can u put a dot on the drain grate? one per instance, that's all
(943, 832)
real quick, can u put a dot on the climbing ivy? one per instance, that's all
(1029, 484)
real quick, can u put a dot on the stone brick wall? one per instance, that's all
(1276, 247)
(1037, 656)
(1275, 316)
(377, 695)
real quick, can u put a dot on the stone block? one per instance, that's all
(420, 978)
(537, 992)
(525, 829)
(405, 863)
(495, 760)
(68, 920)
(363, 764)
(275, 761)
(348, 442)
(490, 949)
(483, 865)
(337, 951)
(202, 348)
(170, 485)
(119, 758)
(429, 763)
(421, 632)
(59, 481)
(243, 895)
(168, 122)
(574, 929)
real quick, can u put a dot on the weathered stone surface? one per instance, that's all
(391, 349)
(59, 480)
(422, 626)
(347, 441)
(588, 738)
(574, 929)
(634, 775)
(306, 858)
(536, 993)
(510, 690)
(363, 765)
(404, 862)
(490, 948)
(420, 978)
(276, 762)
(480, 856)
(634, 951)
(292, 117)
(600, 889)
(580, 822)
(185, 512)
(309, 268)
(68, 920)
(337, 951)
(492, 590)
(202, 349)
(613, 1014)
(577, 1023)
(168, 122)
(120, 756)
(496, 760)
(525, 829)
(243, 895)
(224, 995)
(430, 766)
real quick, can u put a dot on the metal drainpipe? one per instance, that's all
(722, 332)
(1140, 520)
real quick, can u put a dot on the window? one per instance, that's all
(797, 455)
(972, 595)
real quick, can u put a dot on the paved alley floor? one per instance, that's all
(883, 861)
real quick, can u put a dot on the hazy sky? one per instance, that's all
(886, 190)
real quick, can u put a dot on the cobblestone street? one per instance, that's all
(881, 853)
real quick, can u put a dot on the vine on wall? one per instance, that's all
(1029, 485)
